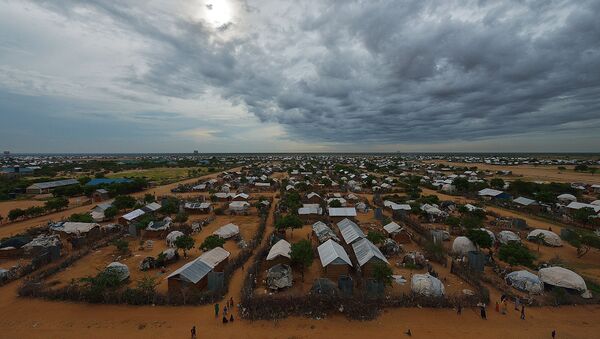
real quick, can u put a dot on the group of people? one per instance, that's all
(502, 306)
(227, 314)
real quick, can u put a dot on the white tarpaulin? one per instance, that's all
(172, 237)
(525, 281)
(562, 277)
(504, 237)
(121, 270)
(548, 237)
(463, 245)
(427, 285)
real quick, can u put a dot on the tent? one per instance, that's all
(281, 248)
(172, 237)
(525, 281)
(549, 238)
(562, 277)
(504, 237)
(463, 245)
(427, 285)
(121, 270)
(227, 231)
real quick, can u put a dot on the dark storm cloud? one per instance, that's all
(382, 72)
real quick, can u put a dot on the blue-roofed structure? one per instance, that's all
(107, 181)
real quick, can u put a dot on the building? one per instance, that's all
(350, 231)
(334, 260)
(48, 186)
(526, 203)
(310, 212)
(368, 255)
(107, 181)
(397, 232)
(340, 213)
(279, 254)
(227, 231)
(194, 275)
(100, 195)
(313, 198)
(198, 207)
(323, 232)
(492, 194)
(239, 207)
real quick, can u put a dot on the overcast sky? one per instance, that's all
(264, 76)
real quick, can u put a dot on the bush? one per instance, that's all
(480, 238)
(122, 202)
(515, 253)
(185, 242)
(211, 242)
(122, 246)
(383, 273)
(83, 217)
(375, 237)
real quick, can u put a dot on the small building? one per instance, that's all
(49, 186)
(152, 207)
(279, 254)
(334, 260)
(526, 203)
(194, 275)
(492, 194)
(313, 198)
(97, 212)
(227, 231)
(198, 207)
(241, 197)
(100, 195)
(158, 229)
(398, 233)
(340, 213)
(130, 217)
(310, 212)
(350, 231)
(323, 232)
(368, 255)
(239, 207)
(70, 230)
(107, 181)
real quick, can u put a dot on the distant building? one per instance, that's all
(107, 181)
(47, 187)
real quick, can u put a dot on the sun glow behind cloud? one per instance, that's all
(216, 12)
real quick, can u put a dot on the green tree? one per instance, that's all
(122, 246)
(185, 242)
(15, 214)
(181, 217)
(515, 254)
(335, 203)
(122, 202)
(497, 183)
(55, 204)
(110, 212)
(211, 242)
(383, 273)
(290, 221)
(148, 198)
(83, 217)
(480, 238)
(583, 215)
(461, 184)
(147, 285)
(302, 255)
(375, 237)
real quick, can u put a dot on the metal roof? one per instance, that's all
(350, 231)
(153, 206)
(53, 184)
(133, 214)
(74, 227)
(342, 212)
(227, 231)
(330, 251)
(489, 192)
(197, 269)
(524, 201)
(392, 227)
(366, 250)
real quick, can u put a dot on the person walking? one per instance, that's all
(216, 310)
(231, 302)
(482, 311)
(225, 310)
(225, 321)
(459, 309)
(523, 312)
(517, 301)
(553, 334)
(504, 307)
(193, 332)
(497, 307)
(231, 318)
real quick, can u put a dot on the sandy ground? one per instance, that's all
(34, 318)
(533, 173)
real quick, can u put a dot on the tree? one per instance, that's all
(15, 214)
(211, 242)
(302, 254)
(583, 214)
(290, 221)
(461, 184)
(110, 212)
(122, 246)
(185, 242)
(181, 217)
(383, 273)
(480, 238)
(83, 217)
(55, 204)
(147, 285)
(335, 203)
(516, 253)
(170, 205)
(148, 198)
(375, 237)
(122, 202)
(539, 239)
(497, 183)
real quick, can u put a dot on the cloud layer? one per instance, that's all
(344, 74)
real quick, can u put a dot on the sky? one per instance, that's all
(299, 76)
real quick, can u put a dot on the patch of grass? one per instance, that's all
(156, 174)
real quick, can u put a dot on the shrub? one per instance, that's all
(83, 217)
(211, 242)
(383, 273)
(515, 253)
(375, 237)
(122, 246)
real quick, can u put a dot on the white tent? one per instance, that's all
(281, 248)
(504, 237)
(548, 237)
(562, 277)
(463, 245)
(525, 281)
(566, 198)
(427, 285)
(227, 231)
(172, 237)
(121, 270)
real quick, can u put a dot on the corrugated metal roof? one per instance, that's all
(281, 248)
(227, 231)
(331, 251)
(350, 231)
(366, 250)
(53, 184)
(342, 211)
(153, 206)
(392, 227)
(133, 214)
(197, 269)
(524, 201)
